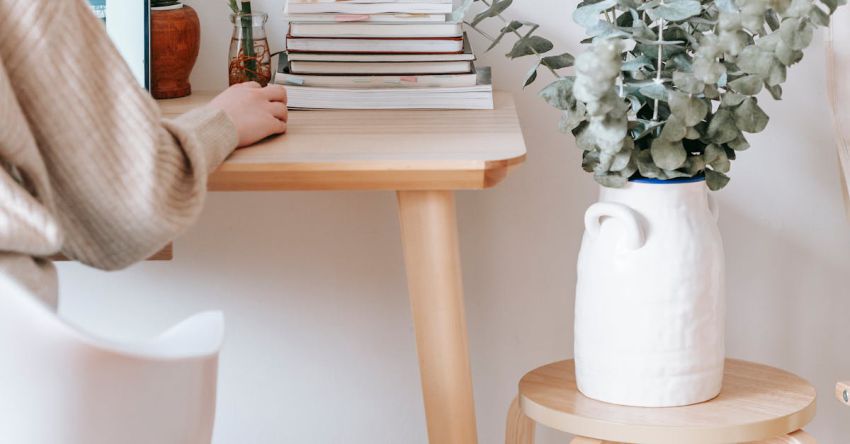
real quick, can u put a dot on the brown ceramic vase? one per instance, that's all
(175, 42)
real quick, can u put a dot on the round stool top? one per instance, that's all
(757, 402)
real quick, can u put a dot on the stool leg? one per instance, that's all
(798, 437)
(520, 428)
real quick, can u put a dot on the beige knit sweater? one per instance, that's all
(87, 165)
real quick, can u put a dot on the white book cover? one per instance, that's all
(369, 45)
(401, 57)
(367, 18)
(342, 57)
(344, 29)
(378, 81)
(471, 97)
(419, 7)
(414, 68)
(478, 95)
(302, 2)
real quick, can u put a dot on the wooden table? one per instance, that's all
(757, 403)
(423, 156)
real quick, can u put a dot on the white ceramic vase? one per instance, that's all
(650, 296)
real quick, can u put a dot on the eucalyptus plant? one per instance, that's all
(667, 88)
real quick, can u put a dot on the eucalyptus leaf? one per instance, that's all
(775, 91)
(796, 33)
(786, 55)
(621, 160)
(610, 180)
(559, 93)
(776, 75)
(647, 167)
(668, 155)
(529, 45)
(739, 144)
(833, 4)
(673, 130)
(572, 118)
(675, 10)
(731, 99)
(655, 91)
(715, 157)
(750, 117)
(713, 152)
(531, 75)
(558, 61)
(688, 83)
(715, 180)
(749, 85)
(753, 60)
(642, 61)
(496, 8)
(721, 128)
(587, 16)
(690, 109)
(818, 16)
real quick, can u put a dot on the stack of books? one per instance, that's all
(379, 54)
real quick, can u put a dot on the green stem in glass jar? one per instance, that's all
(248, 41)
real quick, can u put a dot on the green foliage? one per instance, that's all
(666, 88)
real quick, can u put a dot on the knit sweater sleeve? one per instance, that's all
(124, 181)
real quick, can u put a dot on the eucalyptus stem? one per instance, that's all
(248, 40)
(516, 33)
(658, 65)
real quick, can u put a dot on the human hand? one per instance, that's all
(256, 112)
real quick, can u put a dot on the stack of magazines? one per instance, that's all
(379, 54)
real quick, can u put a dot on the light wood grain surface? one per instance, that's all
(519, 429)
(375, 150)
(432, 258)
(842, 392)
(757, 402)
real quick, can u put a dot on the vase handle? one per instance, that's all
(713, 207)
(634, 234)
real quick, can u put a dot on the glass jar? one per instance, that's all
(250, 58)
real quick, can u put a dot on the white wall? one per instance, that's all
(320, 345)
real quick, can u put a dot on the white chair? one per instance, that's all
(61, 386)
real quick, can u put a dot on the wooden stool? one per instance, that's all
(842, 392)
(757, 404)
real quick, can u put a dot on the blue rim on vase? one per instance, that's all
(698, 178)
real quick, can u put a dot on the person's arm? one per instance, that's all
(124, 181)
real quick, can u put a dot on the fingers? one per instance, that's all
(278, 110)
(275, 93)
(278, 126)
(253, 85)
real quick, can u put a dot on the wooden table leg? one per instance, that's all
(519, 428)
(430, 240)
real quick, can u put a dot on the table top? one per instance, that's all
(375, 149)
(757, 402)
